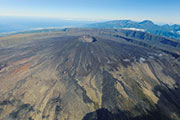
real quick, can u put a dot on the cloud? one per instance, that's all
(135, 29)
(178, 32)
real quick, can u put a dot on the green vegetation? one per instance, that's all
(178, 59)
(146, 99)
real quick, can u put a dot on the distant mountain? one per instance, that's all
(172, 31)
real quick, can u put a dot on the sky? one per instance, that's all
(159, 11)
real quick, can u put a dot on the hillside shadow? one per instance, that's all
(168, 103)
(104, 114)
(169, 99)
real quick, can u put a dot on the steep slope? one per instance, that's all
(150, 38)
(85, 76)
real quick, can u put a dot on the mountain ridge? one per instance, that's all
(171, 31)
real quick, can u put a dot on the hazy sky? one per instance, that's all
(162, 11)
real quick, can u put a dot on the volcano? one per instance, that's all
(87, 75)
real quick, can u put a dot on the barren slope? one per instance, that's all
(88, 77)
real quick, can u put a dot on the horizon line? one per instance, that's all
(91, 20)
